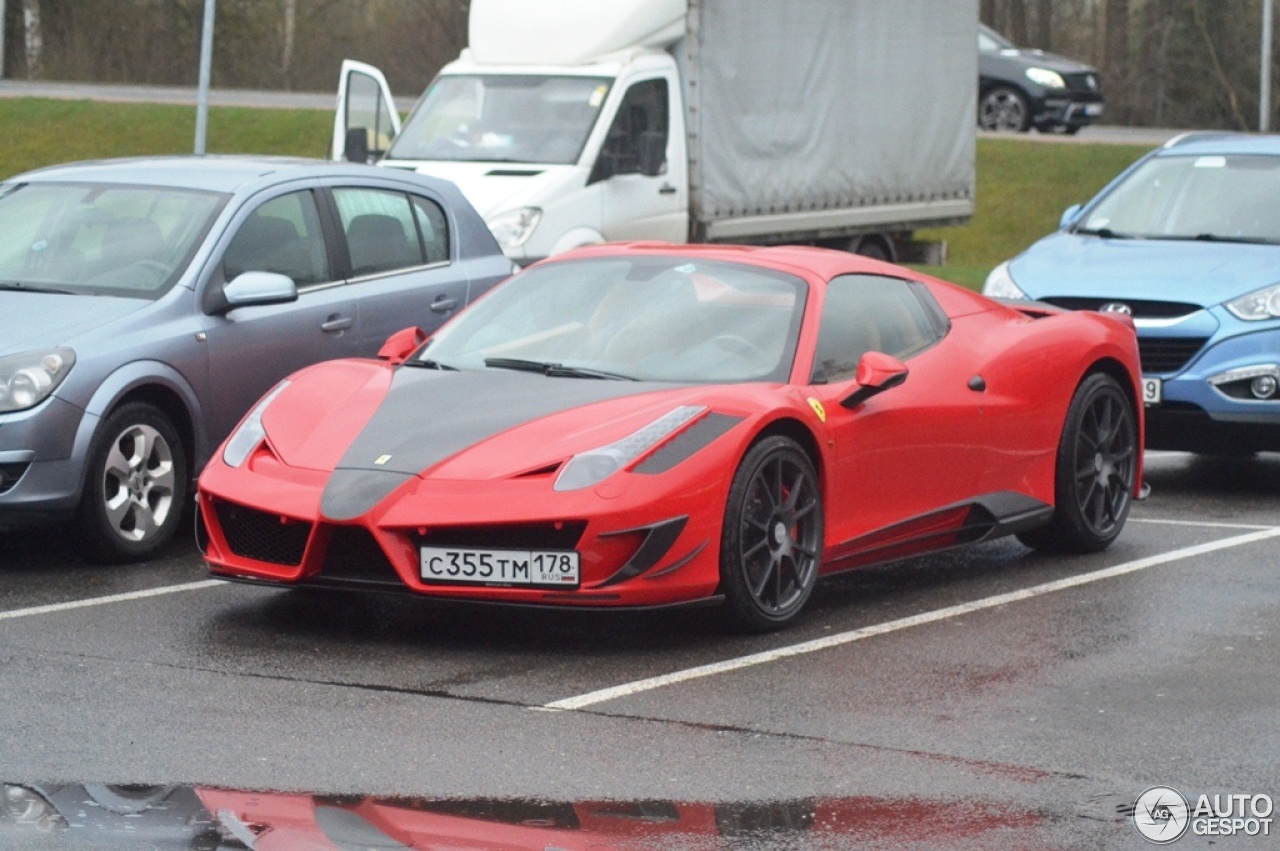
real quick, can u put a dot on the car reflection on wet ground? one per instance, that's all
(139, 818)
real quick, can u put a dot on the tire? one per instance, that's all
(136, 487)
(771, 544)
(875, 249)
(1096, 465)
(1004, 109)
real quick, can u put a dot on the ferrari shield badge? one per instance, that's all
(818, 409)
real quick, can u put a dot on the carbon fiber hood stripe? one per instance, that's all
(431, 415)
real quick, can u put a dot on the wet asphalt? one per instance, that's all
(994, 698)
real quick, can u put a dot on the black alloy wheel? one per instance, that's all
(1096, 466)
(771, 544)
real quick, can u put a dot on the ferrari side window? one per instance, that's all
(866, 313)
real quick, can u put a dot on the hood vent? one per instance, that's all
(548, 470)
(513, 172)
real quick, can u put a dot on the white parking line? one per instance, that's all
(1208, 524)
(627, 689)
(113, 598)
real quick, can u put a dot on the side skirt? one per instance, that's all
(993, 515)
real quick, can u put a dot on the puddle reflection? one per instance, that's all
(139, 817)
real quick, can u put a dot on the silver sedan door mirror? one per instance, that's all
(255, 288)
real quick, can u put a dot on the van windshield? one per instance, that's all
(503, 118)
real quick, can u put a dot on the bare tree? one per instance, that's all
(1044, 24)
(290, 32)
(1116, 55)
(34, 38)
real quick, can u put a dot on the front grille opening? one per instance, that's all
(1168, 354)
(563, 535)
(262, 536)
(353, 555)
(10, 474)
(1142, 308)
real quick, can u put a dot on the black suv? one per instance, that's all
(1019, 89)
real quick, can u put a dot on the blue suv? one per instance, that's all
(1187, 241)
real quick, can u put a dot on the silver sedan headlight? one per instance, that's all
(28, 378)
(1258, 305)
(1000, 284)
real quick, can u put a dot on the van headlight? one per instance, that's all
(513, 228)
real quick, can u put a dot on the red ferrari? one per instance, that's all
(647, 425)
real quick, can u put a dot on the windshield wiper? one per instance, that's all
(554, 370)
(18, 286)
(428, 363)
(1213, 237)
(1105, 233)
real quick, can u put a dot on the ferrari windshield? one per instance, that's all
(95, 239)
(503, 118)
(1229, 198)
(641, 317)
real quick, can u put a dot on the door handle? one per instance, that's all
(444, 304)
(667, 189)
(336, 323)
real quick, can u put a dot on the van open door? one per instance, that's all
(366, 120)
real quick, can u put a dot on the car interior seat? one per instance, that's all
(378, 242)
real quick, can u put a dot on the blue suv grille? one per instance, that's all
(1168, 354)
(1141, 308)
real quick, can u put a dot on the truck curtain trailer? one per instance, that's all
(845, 123)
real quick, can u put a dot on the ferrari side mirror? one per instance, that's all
(401, 344)
(877, 372)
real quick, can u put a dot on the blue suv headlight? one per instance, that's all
(1258, 305)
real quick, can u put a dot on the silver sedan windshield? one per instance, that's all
(645, 317)
(100, 239)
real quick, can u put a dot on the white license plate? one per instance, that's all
(1094, 109)
(1152, 391)
(499, 567)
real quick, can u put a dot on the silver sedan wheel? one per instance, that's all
(139, 483)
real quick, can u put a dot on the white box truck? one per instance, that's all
(847, 123)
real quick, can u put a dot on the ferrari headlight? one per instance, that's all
(27, 379)
(1259, 305)
(513, 229)
(251, 432)
(1000, 284)
(1045, 77)
(591, 468)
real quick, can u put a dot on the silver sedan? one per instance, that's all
(145, 304)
